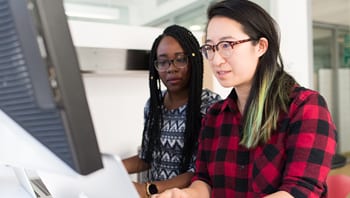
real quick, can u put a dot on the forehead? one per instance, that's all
(168, 46)
(221, 28)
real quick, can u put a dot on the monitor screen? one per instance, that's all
(41, 88)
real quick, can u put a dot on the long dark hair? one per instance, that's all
(190, 46)
(269, 94)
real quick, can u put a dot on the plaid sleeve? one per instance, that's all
(310, 146)
(201, 166)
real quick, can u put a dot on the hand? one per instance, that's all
(279, 194)
(141, 189)
(172, 193)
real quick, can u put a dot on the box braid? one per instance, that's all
(190, 46)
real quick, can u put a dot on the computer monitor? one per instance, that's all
(40, 82)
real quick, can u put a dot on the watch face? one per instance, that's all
(152, 189)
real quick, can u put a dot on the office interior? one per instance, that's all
(314, 42)
(315, 45)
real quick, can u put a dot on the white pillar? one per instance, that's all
(295, 21)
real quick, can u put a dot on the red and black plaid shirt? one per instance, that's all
(296, 159)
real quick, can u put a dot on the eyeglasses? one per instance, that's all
(180, 61)
(224, 48)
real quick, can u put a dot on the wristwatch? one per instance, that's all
(151, 189)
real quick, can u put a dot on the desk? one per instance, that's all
(110, 182)
(9, 185)
(338, 161)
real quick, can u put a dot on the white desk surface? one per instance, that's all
(9, 185)
(110, 182)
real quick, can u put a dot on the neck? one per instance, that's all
(242, 95)
(175, 100)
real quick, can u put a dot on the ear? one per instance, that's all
(263, 45)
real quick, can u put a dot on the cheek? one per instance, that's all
(162, 76)
(243, 67)
(186, 74)
(249, 69)
(245, 62)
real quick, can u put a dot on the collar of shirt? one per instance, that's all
(230, 103)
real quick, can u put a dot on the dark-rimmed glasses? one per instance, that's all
(162, 65)
(224, 48)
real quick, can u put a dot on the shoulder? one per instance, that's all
(148, 103)
(147, 107)
(209, 96)
(301, 96)
(308, 104)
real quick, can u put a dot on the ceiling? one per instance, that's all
(159, 13)
(189, 13)
(334, 12)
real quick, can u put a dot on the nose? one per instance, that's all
(172, 67)
(217, 59)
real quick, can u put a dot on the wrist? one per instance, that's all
(151, 189)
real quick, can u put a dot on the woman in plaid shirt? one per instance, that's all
(270, 137)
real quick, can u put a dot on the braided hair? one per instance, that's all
(153, 124)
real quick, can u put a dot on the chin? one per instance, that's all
(226, 84)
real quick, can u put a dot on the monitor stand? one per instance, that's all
(31, 183)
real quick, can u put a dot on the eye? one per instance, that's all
(181, 59)
(163, 63)
(207, 48)
(225, 45)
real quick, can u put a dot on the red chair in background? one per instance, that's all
(338, 186)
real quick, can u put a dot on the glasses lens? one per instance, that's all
(181, 61)
(161, 65)
(207, 51)
(225, 49)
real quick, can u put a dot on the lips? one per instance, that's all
(173, 80)
(222, 73)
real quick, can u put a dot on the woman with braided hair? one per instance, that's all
(172, 116)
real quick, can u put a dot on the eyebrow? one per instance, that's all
(221, 39)
(166, 56)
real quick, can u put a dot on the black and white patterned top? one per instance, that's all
(168, 163)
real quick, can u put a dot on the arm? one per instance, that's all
(134, 164)
(310, 147)
(180, 181)
(279, 194)
(198, 189)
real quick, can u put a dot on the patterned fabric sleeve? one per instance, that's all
(142, 153)
(310, 146)
(208, 99)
